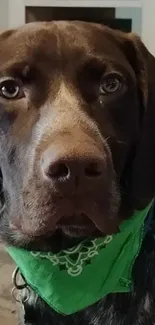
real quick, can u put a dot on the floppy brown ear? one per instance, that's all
(143, 172)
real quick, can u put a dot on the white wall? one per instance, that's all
(148, 29)
(135, 14)
(4, 23)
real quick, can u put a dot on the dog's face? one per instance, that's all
(70, 120)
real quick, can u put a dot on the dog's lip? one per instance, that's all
(76, 224)
(79, 224)
(76, 230)
(80, 220)
(71, 226)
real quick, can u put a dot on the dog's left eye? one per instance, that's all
(110, 84)
(10, 89)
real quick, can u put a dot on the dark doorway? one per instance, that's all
(98, 15)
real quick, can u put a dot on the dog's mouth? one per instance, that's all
(67, 233)
(77, 226)
(75, 230)
(62, 239)
(73, 226)
(63, 234)
(58, 241)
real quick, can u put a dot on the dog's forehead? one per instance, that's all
(56, 39)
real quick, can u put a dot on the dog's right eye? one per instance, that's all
(11, 89)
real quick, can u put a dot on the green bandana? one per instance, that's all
(79, 277)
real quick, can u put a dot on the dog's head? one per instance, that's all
(77, 139)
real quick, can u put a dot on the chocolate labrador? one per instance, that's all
(77, 141)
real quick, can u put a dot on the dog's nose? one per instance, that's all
(66, 167)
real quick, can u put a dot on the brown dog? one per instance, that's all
(77, 132)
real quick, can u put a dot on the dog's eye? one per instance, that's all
(110, 84)
(10, 89)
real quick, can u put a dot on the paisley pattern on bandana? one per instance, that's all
(74, 259)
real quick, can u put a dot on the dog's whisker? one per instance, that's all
(121, 142)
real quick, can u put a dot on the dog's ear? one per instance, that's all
(143, 169)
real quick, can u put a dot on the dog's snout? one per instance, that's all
(70, 165)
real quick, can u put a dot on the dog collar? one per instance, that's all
(79, 277)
